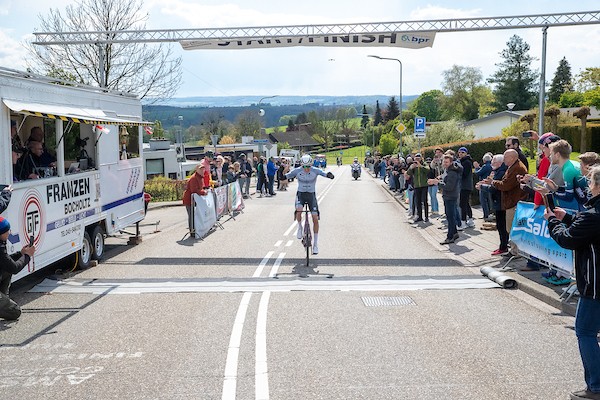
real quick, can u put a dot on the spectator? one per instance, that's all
(261, 173)
(482, 172)
(245, 175)
(498, 171)
(435, 169)
(10, 265)
(233, 173)
(509, 185)
(14, 135)
(450, 183)
(285, 169)
(5, 195)
(410, 191)
(418, 171)
(17, 153)
(512, 142)
(382, 168)
(567, 196)
(579, 233)
(271, 171)
(543, 168)
(195, 185)
(466, 187)
(217, 172)
(45, 158)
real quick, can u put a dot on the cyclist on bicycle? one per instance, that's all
(307, 178)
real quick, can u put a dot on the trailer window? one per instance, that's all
(39, 159)
(129, 146)
(155, 167)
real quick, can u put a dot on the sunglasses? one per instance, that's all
(306, 167)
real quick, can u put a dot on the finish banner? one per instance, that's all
(531, 236)
(387, 39)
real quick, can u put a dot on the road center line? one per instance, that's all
(289, 243)
(276, 265)
(262, 264)
(261, 379)
(233, 351)
(289, 230)
(278, 243)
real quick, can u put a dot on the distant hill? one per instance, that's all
(192, 109)
(246, 101)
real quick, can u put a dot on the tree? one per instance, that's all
(429, 105)
(571, 99)
(393, 110)
(227, 140)
(588, 79)
(387, 144)
(141, 68)
(592, 98)
(583, 113)
(377, 118)
(444, 132)
(562, 81)
(291, 126)
(553, 112)
(515, 81)
(248, 124)
(465, 94)
(301, 119)
(365, 118)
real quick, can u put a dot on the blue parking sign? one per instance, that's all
(419, 124)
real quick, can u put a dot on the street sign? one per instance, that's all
(261, 141)
(420, 127)
(401, 128)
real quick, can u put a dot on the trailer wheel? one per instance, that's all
(97, 243)
(85, 253)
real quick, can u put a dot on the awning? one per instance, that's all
(79, 115)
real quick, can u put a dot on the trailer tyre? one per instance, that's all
(97, 243)
(85, 253)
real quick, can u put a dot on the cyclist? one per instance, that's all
(307, 178)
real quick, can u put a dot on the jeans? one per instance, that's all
(432, 190)
(465, 206)
(587, 326)
(392, 182)
(486, 201)
(450, 208)
(261, 186)
(410, 194)
(420, 201)
(270, 184)
(245, 185)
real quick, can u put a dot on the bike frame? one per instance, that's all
(307, 236)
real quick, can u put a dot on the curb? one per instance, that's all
(526, 285)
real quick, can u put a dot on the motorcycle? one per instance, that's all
(355, 171)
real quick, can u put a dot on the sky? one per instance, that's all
(331, 71)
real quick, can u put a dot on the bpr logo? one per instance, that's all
(33, 217)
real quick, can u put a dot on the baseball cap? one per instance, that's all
(4, 225)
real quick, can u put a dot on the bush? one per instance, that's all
(165, 189)
(477, 148)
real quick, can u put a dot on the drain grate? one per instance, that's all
(388, 301)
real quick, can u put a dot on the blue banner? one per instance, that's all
(531, 236)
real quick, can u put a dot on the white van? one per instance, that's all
(95, 186)
(293, 154)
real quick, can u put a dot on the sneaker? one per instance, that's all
(299, 232)
(585, 395)
(462, 226)
(470, 223)
(447, 241)
(315, 249)
(499, 252)
(418, 220)
(456, 237)
(426, 220)
(549, 274)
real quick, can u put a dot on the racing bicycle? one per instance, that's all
(307, 235)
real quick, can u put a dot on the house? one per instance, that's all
(298, 140)
(493, 124)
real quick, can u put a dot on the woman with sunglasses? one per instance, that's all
(306, 194)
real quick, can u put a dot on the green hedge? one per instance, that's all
(477, 148)
(572, 134)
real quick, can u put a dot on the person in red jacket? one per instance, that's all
(196, 184)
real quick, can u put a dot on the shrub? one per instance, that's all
(165, 189)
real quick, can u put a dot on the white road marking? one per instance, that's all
(262, 264)
(257, 285)
(261, 379)
(278, 243)
(276, 265)
(289, 230)
(233, 351)
(289, 243)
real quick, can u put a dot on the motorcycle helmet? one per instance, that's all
(306, 160)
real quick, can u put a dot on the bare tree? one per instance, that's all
(149, 71)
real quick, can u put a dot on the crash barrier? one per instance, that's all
(531, 239)
(500, 278)
(209, 209)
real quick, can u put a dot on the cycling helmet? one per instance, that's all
(306, 160)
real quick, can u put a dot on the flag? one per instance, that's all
(148, 130)
(101, 129)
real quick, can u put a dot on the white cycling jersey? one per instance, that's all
(306, 179)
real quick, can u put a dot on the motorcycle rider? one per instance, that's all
(307, 178)
(356, 166)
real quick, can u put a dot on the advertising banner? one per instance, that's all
(384, 39)
(204, 214)
(530, 234)
(221, 201)
(236, 199)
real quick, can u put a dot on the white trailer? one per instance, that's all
(94, 189)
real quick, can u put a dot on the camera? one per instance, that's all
(527, 135)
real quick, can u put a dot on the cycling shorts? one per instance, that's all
(309, 198)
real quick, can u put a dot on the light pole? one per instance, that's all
(180, 146)
(261, 113)
(510, 107)
(399, 62)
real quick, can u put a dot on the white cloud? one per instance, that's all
(435, 12)
(12, 52)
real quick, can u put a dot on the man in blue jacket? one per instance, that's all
(271, 171)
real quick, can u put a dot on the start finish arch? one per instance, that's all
(407, 34)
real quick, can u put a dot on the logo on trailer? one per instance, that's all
(32, 214)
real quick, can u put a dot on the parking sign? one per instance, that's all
(420, 127)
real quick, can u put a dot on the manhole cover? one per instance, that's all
(388, 301)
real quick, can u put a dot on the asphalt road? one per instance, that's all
(230, 317)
